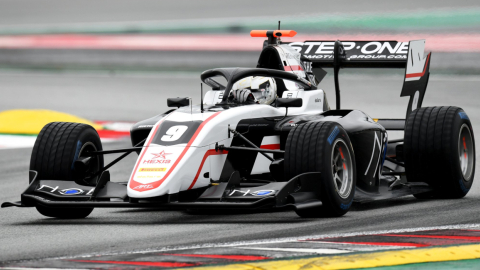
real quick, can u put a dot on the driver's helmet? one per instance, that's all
(264, 89)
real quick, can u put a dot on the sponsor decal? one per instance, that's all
(152, 169)
(262, 192)
(318, 100)
(360, 56)
(377, 57)
(71, 191)
(463, 115)
(143, 187)
(254, 193)
(354, 49)
(161, 155)
(158, 158)
(66, 192)
(333, 135)
(154, 161)
(145, 126)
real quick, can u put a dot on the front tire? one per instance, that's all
(57, 147)
(326, 148)
(440, 150)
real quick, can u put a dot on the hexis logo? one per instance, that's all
(161, 155)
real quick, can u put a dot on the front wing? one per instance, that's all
(300, 192)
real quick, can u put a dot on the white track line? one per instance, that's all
(16, 141)
(22, 141)
(307, 250)
(353, 245)
(266, 241)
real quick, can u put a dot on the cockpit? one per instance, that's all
(253, 85)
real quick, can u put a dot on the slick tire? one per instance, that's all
(326, 148)
(439, 149)
(57, 147)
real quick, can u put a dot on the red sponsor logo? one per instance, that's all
(143, 187)
(161, 155)
(155, 161)
(160, 158)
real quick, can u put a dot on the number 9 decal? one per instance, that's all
(174, 133)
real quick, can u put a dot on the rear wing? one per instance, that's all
(317, 54)
(372, 54)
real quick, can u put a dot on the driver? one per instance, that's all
(254, 90)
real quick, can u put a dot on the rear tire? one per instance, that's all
(57, 147)
(440, 150)
(326, 148)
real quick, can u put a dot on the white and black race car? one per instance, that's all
(266, 137)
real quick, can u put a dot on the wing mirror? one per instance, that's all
(178, 102)
(289, 102)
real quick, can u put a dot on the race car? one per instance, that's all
(265, 138)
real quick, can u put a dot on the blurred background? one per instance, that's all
(195, 35)
(118, 60)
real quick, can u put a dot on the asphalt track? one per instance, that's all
(25, 234)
